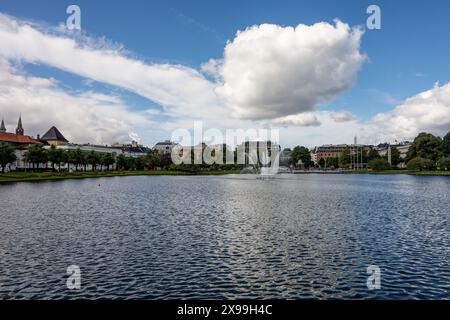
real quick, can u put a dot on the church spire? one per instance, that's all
(2, 127)
(19, 129)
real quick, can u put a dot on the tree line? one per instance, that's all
(427, 152)
(40, 158)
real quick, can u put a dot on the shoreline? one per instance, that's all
(52, 176)
(408, 172)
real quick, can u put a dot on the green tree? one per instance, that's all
(425, 146)
(76, 157)
(300, 153)
(149, 160)
(373, 154)
(52, 156)
(165, 161)
(395, 156)
(107, 160)
(332, 163)
(321, 163)
(344, 159)
(131, 163)
(70, 157)
(60, 158)
(7, 155)
(444, 163)
(93, 158)
(419, 163)
(36, 155)
(84, 160)
(379, 164)
(64, 159)
(141, 163)
(121, 162)
(446, 145)
(158, 160)
(363, 151)
(56, 157)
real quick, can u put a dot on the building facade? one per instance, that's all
(403, 149)
(327, 151)
(53, 137)
(165, 147)
(19, 141)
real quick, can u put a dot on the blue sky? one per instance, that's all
(407, 56)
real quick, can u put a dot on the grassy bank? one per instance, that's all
(46, 176)
(412, 172)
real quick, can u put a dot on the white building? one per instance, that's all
(313, 154)
(165, 147)
(403, 148)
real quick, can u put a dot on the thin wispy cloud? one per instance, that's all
(86, 117)
(186, 20)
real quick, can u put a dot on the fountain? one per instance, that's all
(260, 163)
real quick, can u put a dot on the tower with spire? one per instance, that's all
(19, 129)
(2, 126)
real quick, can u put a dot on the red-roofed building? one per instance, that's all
(13, 138)
(18, 141)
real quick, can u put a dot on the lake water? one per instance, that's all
(297, 236)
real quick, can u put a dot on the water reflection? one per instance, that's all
(297, 236)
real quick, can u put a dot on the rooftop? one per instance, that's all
(166, 143)
(53, 134)
(15, 138)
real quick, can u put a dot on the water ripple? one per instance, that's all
(227, 237)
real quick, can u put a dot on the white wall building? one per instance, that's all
(165, 147)
(403, 148)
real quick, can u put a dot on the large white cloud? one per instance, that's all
(306, 119)
(269, 71)
(86, 117)
(329, 131)
(427, 111)
(343, 116)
